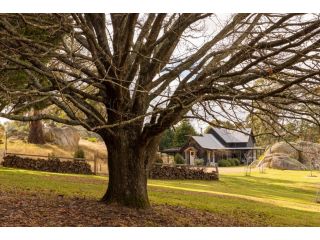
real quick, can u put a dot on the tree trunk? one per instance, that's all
(128, 159)
(36, 130)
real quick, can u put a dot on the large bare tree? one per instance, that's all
(129, 77)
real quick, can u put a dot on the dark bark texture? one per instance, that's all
(128, 162)
(36, 135)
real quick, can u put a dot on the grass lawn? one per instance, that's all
(90, 148)
(274, 198)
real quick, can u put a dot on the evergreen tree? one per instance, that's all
(167, 139)
(183, 131)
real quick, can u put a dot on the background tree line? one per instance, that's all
(177, 136)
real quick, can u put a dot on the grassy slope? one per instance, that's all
(278, 198)
(18, 146)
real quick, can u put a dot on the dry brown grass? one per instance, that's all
(21, 147)
(90, 148)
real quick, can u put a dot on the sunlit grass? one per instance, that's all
(21, 147)
(277, 198)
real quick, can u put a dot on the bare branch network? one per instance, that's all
(147, 71)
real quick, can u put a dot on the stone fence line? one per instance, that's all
(95, 166)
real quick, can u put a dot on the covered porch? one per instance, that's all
(245, 154)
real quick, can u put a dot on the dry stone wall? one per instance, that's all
(181, 172)
(51, 165)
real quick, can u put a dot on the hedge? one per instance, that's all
(229, 162)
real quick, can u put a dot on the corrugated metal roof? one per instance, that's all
(232, 136)
(170, 150)
(208, 141)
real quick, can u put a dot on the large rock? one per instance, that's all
(285, 162)
(292, 156)
(67, 137)
(285, 148)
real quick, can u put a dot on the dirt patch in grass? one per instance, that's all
(25, 208)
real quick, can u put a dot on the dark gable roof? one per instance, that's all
(232, 136)
(209, 141)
